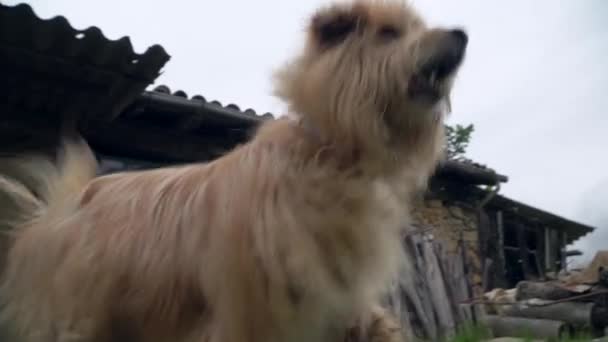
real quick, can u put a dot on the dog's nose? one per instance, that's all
(461, 37)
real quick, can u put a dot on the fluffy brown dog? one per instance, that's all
(291, 237)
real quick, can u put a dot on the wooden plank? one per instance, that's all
(522, 244)
(548, 249)
(554, 246)
(438, 284)
(409, 293)
(438, 294)
(488, 266)
(562, 251)
(459, 285)
(427, 294)
(539, 256)
(422, 292)
(400, 309)
(500, 262)
(450, 286)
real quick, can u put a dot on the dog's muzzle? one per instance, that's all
(441, 64)
(448, 56)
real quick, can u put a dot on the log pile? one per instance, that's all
(574, 304)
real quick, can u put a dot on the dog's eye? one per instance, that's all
(389, 32)
(335, 30)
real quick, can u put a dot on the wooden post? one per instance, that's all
(548, 249)
(523, 250)
(539, 251)
(599, 317)
(501, 248)
(484, 238)
(553, 250)
(562, 249)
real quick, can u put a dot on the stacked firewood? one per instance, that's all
(573, 305)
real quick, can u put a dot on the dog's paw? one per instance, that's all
(381, 326)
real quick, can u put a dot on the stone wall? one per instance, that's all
(455, 226)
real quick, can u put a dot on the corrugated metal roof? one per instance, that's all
(49, 66)
(164, 89)
(179, 112)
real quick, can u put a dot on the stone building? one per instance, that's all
(56, 78)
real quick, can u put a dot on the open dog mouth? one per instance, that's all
(444, 63)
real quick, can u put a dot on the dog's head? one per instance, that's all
(373, 74)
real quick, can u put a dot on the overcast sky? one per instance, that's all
(535, 82)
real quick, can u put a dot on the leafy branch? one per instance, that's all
(458, 138)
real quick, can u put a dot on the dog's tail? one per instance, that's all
(39, 190)
(52, 182)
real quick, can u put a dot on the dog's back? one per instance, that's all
(71, 265)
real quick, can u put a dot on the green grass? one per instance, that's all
(472, 333)
(478, 333)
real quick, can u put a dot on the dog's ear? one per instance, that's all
(332, 26)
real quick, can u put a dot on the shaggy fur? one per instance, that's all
(293, 236)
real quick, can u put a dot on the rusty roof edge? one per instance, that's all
(518, 208)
